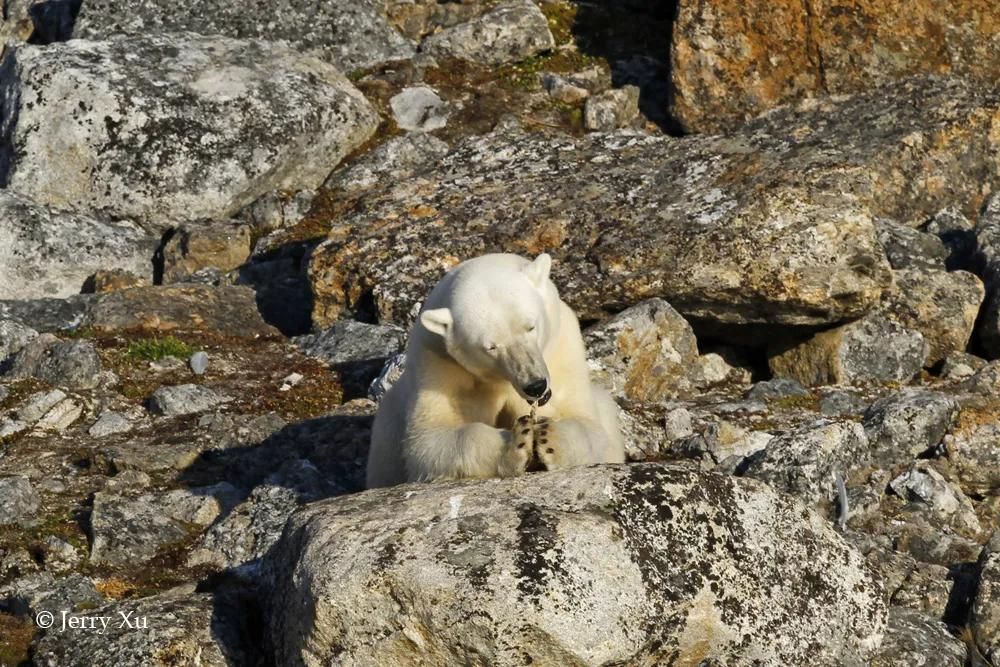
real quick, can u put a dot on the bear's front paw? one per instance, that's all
(546, 443)
(560, 444)
(519, 450)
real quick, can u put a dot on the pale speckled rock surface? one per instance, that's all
(511, 31)
(940, 305)
(348, 33)
(46, 253)
(182, 627)
(906, 424)
(732, 59)
(872, 349)
(172, 127)
(913, 639)
(396, 159)
(646, 563)
(771, 224)
(805, 461)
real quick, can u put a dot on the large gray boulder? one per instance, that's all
(172, 127)
(806, 460)
(772, 224)
(904, 425)
(941, 306)
(46, 253)
(348, 33)
(874, 348)
(71, 363)
(642, 564)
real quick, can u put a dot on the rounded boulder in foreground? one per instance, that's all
(644, 564)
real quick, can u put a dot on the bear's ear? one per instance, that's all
(436, 321)
(538, 270)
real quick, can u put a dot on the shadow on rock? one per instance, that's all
(279, 279)
(634, 37)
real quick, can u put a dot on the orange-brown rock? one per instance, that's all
(229, 310)
(732, 59)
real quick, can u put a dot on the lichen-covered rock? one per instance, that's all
(961, 366)
(872, 349)
(73, 363)
(988, 263)
(196, 246)
(178, 627)
(512, 31)
(348, 341)
(112, 280)
(13, 337)
(275, 210)
(41, 591)
(348, 33)
(733, 59)
(913, 639)
(775, 389)
(909, 248)
(986, 606)
(611, 109)
(172, 127)
(772, 224)
(922, 485)
(973, 445)
(46, 253)
(393, 161)
(184, 399)
(643, 564)
(805, 460)
(941, 305)
(229, 310)
(649, 353)
(18, 500)
(127, 530)
(48, 314)
(246, 533)
(904, 425)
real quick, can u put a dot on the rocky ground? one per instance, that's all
(777, 222)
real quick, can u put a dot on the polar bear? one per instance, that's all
(493, 336)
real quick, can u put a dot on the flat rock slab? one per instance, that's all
(773, 224)
(46, 253)
(184, 399)
(228, 310)
(172, 127)
(642, 564)
(732, 59)
(348, 33)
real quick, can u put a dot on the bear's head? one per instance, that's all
(495, 315)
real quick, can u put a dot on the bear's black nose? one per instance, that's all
(536, 388)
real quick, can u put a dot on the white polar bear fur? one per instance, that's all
(491, 324)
